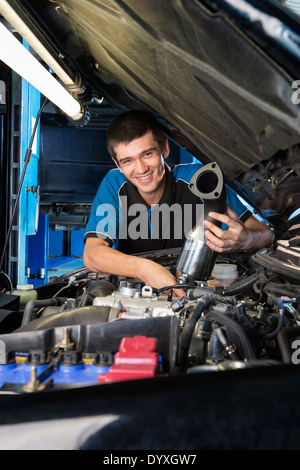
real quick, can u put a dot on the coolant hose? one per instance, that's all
(98, 288)
(233, 289)
(239, 286)
(76, 316)
(33, 304)
(233, 328)
(187, 333)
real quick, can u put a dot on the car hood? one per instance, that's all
(221, 75)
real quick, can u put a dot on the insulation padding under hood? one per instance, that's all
(199, 66)
(222, 75)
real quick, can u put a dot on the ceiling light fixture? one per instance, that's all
(33, 37)
(17, 57)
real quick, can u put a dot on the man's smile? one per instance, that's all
(145, 178)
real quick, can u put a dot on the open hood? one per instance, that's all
(219, 368)
(221, 74)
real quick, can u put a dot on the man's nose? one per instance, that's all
(140, 166)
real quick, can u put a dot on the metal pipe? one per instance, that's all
(197, 260)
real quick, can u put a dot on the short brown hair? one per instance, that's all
(132, 125)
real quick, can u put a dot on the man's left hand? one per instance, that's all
(239, 236)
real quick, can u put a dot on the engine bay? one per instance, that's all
(87, 329)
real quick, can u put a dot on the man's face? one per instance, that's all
(142, 162)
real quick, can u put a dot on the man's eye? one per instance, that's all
(125, 162)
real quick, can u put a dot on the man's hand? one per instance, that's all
(239, 236)
(155, 275)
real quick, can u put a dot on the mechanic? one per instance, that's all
(120, 223)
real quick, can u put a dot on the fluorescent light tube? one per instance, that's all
(17, 57)
(26, 33)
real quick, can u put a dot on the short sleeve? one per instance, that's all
(236, 204)
(104, 218)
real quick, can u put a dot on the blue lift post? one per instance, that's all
(28, 250)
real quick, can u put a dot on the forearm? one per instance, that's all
(99, 257)
(258, 235)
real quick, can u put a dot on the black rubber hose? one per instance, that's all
(233, 289)
(187, 333)
(234, 330)
(98, 288)
(239, 286)
(278, 327)
(77, 316)
(33, 304)
(229, 350)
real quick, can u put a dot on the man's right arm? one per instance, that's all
(99, 257)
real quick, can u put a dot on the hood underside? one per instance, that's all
(222, 75)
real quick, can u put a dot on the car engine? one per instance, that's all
(86, 328)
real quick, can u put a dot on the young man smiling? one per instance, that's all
(141, 183)
(142, 163)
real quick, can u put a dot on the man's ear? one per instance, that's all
(115, 161)
(166, 150)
